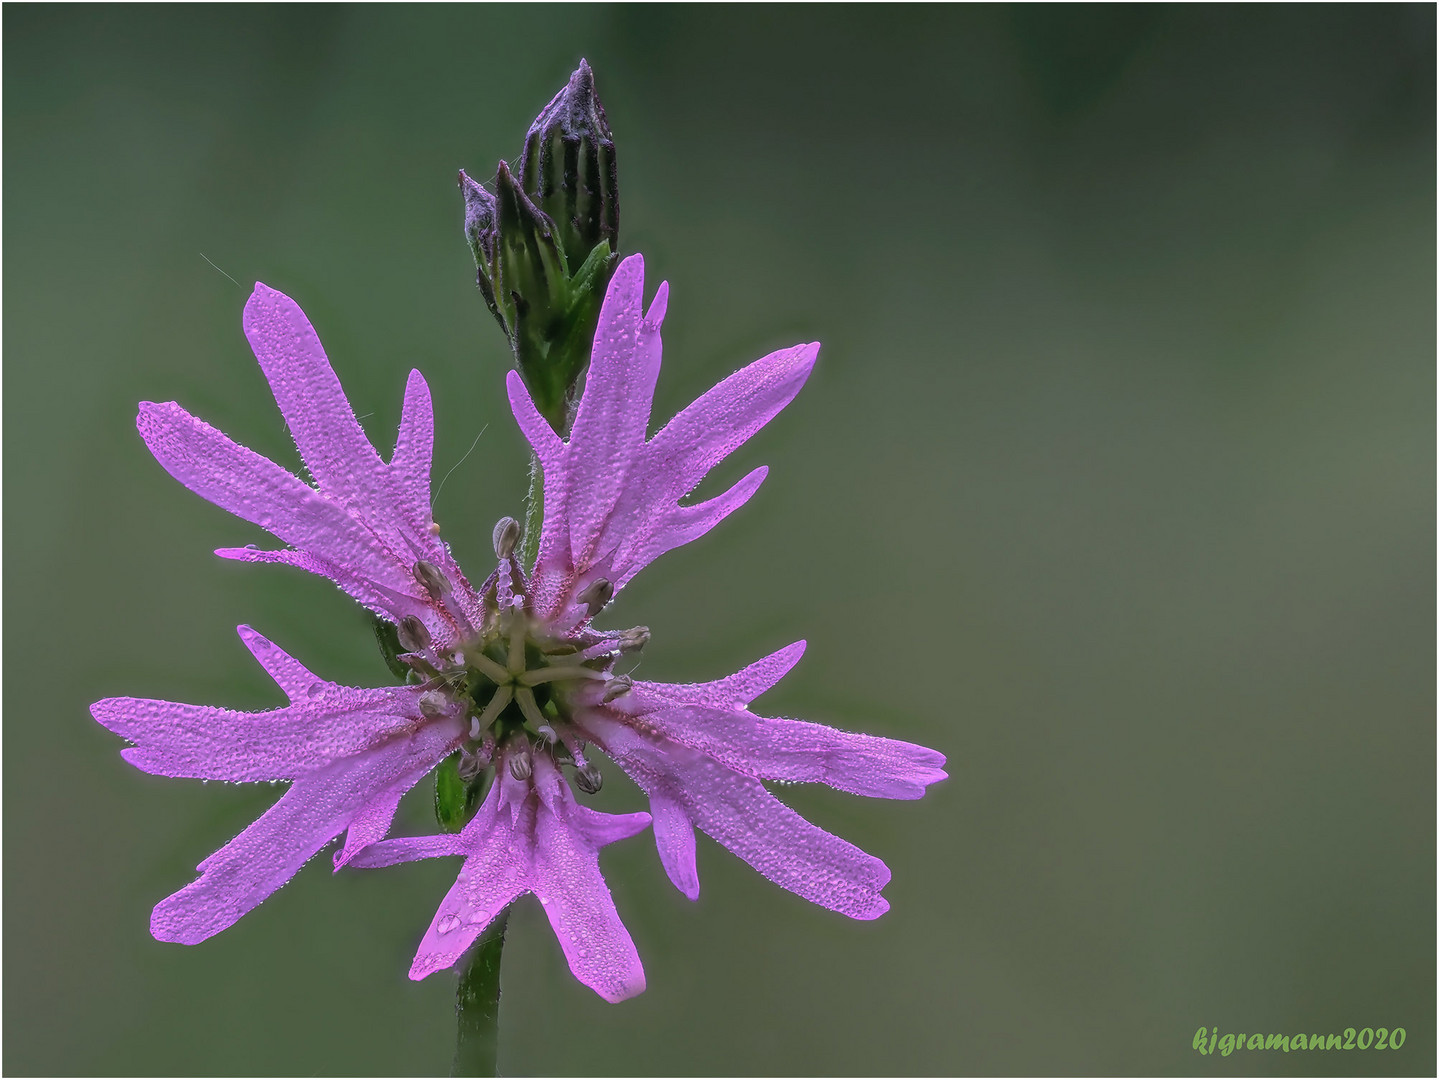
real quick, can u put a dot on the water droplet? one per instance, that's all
(315, 689)
(447, 923)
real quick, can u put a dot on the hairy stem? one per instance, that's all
(534, 515)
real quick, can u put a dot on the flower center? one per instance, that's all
(518, 680)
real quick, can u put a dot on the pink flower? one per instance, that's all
(513, 674)
(612, 504)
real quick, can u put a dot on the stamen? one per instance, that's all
(414, 635)
(589, 779)
(548, 734)
(432, 578)
(505, 537)
(634, 639)
(471, 765)
(434, 704)
(616, 687)
(535, 676)
(596, 595)
(521, 767)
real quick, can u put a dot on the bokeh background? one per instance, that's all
(1115, 482)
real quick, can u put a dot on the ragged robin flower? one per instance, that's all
(514, 675)
(612, 504)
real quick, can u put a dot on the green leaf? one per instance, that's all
(390, 648)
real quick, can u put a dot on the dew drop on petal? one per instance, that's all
(446, 924)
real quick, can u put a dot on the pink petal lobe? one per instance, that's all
(289, 674)
(414, 450)
(675, 840)
(609, 428)
(328, 436)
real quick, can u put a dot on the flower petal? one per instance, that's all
(567, 881)
(741, 815)
(316, 809)
(253, 487)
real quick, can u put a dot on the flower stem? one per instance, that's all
(477, 1004)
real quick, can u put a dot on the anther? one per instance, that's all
(634, 639)
(434, 704)
(596, 595)
(413, 634)
(471, 765)
(548, 734)
(505, 537)
(589, 779)
(521, 767)
(616, 687)
(432, 578)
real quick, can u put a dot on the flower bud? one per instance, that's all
(545, 244)
(568, 168)
(505, 537)
(414, 635)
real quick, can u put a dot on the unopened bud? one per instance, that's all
(521, 767)
(616, 687)
(634, 639)
(589, 779)
(414, 635)
(505, 537)
(432, 578)
(433, 704)
(568, 167)
(596, 595)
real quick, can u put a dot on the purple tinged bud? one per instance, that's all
(432, 578)
(505, 537)
(413, 634)
(589, 779)
(521, 767)
(568, 168)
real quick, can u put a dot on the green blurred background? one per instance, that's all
(1115, 482)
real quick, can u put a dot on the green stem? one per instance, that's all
(477, 1004)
